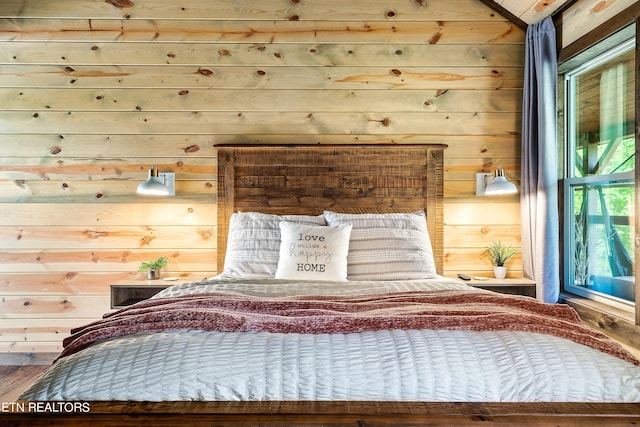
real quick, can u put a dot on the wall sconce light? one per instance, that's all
(158, 184)
(494, 184)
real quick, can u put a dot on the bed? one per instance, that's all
(331, 309)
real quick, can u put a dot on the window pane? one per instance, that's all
(602, 246)
(603, 102)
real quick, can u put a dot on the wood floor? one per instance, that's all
(15, 379)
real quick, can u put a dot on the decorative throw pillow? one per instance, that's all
(253, 244)
(393, 246)
(313, 253)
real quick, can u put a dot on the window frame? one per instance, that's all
(569, 60)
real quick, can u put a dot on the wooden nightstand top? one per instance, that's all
(509, 281)
(141, 280)
(129, 291)
(510, 285)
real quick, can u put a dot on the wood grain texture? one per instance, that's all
(300, 123)
(307, 180)
(267, 55)
(585, 15)
(422, 31)
(92, 94)
(108, 237)
(16, 379)
(393, 10)
(79, 283)
(530, 11)
(99, 260)
(108, 146)
(340, 414)
(201, 99)
(319, 76)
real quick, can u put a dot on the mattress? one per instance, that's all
(372, 365)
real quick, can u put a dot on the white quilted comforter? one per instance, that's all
(391, 365)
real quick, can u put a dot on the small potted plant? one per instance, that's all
(153, 267)
(499, 255)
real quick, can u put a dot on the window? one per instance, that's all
(599, 175)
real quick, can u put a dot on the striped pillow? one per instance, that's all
(387, 246)
(253, 244)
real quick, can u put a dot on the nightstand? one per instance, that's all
(511, 285)
(130, 291)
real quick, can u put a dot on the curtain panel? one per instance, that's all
(539, 167)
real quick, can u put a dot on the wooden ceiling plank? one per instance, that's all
(506, 13)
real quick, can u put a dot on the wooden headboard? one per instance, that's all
(305, 179)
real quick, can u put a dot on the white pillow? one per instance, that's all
(253, 243)
(392, 246)
(312, 252)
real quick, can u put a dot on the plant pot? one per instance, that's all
(500, 272)
(153, 274)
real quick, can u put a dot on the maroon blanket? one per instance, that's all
(450, 309)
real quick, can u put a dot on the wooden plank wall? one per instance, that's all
(93, 93)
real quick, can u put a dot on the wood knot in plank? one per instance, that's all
(205, 234)
(121, 4)
(146, 240)
(601, 6)
(605, 321)
(93, 234)
(205, 72)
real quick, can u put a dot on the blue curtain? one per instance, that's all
(539, 167)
